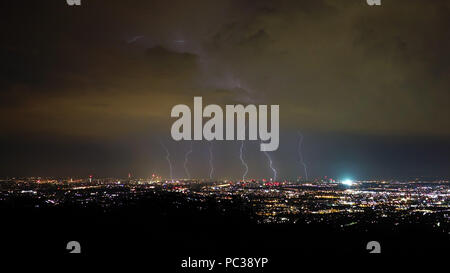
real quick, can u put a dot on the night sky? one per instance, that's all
(89, 89)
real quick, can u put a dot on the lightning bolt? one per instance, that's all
(135, 38)
(300, 155)
(186, 159)
(168, 159)
(271, 166)
(242, 160)
(211, 166)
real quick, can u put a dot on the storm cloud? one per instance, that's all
(336, 68)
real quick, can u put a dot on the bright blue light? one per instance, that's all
(347, 182)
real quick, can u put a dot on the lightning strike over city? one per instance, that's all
(226, 135)
(300, 154)
(211, 160)
(241, 157)
(168, 160)
(274, 171)
(186, 160)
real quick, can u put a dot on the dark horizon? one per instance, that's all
(338, 156)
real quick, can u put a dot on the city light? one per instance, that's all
(348, 182)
